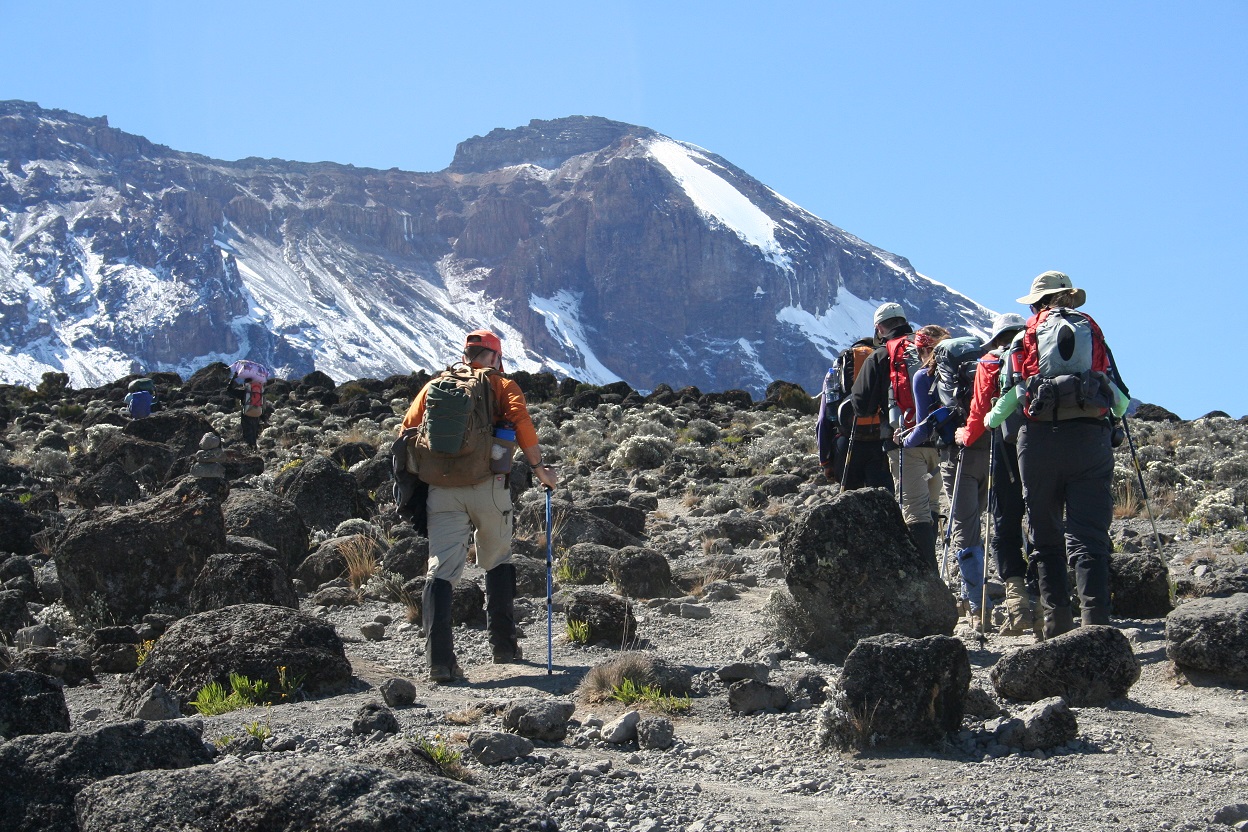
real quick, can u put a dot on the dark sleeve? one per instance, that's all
(867, 395)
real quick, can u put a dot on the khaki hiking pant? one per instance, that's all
(920, 482)
(480, 513)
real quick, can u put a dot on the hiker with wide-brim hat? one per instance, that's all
(469, 499)
(1060, 379)
(1006, 504)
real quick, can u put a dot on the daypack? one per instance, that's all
(253, 399)
(955, 361)
(142, 384)
(903, 362)
(1065, 386)
(848, 364)
(139, 404)
(451, 445)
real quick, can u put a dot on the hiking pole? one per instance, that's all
(1139, 475)
(953, 503)
(550, 596)
(983, 599)
(849, 455)
(1135, 459)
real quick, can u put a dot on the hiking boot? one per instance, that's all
(507, 655)
(1057, 621)
(1017, 608)
(443, 674)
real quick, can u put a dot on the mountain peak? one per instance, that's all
(547, 144)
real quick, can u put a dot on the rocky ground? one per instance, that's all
(714, 484)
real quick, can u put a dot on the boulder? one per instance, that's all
(1139, 585)
(270, 519)
(640, 573)
(31, 703)
(71, 668)
(1087, 666)
(655, 732)
(136, 558)
(573, 524)
(36, 635)
(252, 639)
(372, 717)
(1049, 723)
(1210, 635)
(229, 579)
(109, 485)
(14, 614)
(408, 557)
(853, 572)
(622, 729)
(737, 671)
(398, 692)
(539, 719)
(609, 617)
(628, 518)
(157, 703)
(897, 690)
(291, 794)
(44, 773)
(493, 747)
(17, 527)
(586, 563)
(147, 461)
(749, 696)
(180, 430)
(324, 494)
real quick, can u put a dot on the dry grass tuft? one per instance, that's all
(360, 553)
(1127, 502)
(469, 716)
(604, 679)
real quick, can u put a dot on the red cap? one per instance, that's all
(484, 338)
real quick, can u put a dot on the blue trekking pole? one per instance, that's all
(550, 549)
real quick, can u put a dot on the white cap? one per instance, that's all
(888, 310)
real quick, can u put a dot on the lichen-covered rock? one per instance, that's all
(1210, 635)
(268, 518)
(228, 579)
(252, 639)
(853, 572)
(1139, 585)
(134, 559)
(324, 494)
(609, 618)
(31, 703)
(1087, 666)
(640, 573)
(42, 774)
(896, 690)
(293, 794)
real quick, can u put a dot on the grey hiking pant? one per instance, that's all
(1067, 470)
(966, 507)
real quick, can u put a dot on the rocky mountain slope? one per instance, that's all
(146, 563)
(599, 250)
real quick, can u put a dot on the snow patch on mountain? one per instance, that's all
(562, 315)
(717, 199)
(836, 328)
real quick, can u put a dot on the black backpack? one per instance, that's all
(955, 360)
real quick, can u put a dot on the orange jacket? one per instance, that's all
(511, 407)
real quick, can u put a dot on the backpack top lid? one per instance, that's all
(141, 384)
(956, 360)
(1064, 342)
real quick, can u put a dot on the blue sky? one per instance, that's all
(986, 142)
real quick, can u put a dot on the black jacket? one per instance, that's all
(870, 393)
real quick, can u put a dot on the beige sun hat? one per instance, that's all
(886, 311)
(1050, 282)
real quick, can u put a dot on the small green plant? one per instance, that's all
(629, 692)
(260, 730)
(292, 465)
(448, 760)
(213, 699)
(288, 684)
(566, 573)
(143, 650)
(223, 740)
(577, 631)
(25, 497)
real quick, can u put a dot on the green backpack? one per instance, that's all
(451, 446)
